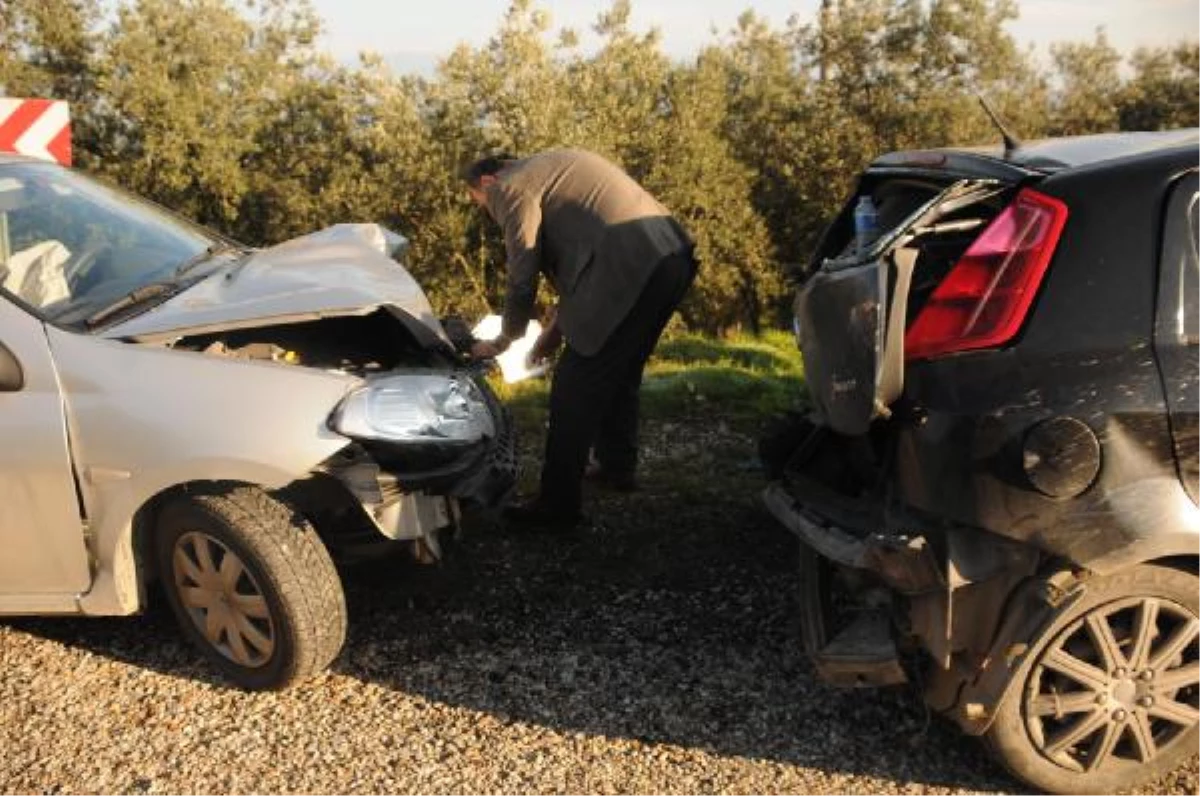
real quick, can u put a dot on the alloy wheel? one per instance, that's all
(1117, 686)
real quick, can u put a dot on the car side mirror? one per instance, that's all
(12, 376)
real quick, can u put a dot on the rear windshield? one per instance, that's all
(895, 200)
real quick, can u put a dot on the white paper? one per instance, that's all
(514, 362)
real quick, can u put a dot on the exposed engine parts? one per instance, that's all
(358, 345)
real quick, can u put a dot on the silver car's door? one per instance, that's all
(43, 556)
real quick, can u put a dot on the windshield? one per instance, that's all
(70, 246)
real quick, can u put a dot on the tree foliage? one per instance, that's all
(227, 111)
(1089, 73)
(1162, 93)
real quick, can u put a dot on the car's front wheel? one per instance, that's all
(251, 585)
(1107, 699)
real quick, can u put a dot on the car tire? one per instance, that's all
(251, 585)
(1106, 698)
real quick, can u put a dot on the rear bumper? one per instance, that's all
(906, 563)
(863, 653)
(962, 597)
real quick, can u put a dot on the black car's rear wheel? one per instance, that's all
(251, 585)
(1109, 697)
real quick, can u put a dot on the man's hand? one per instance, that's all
(546, 345)
(549, 340)
(485, 349)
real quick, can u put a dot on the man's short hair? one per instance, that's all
(485, 166)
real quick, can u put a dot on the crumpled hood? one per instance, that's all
(327, 273)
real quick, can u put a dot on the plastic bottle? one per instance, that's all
(866, 224)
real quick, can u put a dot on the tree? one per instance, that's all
(695, 173)
(513, 85)
(908, 75)
(1089, 86)
(769, 126)
(183, 111)
(618, 94)
(508, 96)
(754, 144)
(1162, 92)
(47, 47)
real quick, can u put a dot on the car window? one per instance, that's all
(69, 244)
(1181, 258)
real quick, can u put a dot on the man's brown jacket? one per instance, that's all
(594, 232)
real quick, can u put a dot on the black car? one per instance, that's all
(996, 488)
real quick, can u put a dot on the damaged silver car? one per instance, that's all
(229, 421)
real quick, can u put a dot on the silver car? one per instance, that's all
(174, 406)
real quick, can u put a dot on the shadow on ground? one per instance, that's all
(668, 621)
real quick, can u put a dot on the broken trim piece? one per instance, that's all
(905, 563)
(863, 655)
(1029, 612)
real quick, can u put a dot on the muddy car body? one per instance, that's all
(996, 490)
(176, 406)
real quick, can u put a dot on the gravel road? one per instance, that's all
(654, 653)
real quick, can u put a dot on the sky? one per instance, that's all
(413, 36)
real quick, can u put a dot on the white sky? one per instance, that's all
(417, 34)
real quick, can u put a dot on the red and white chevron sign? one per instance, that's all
(39, 128)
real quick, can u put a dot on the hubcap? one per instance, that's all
(223, 600)
(1118, 685)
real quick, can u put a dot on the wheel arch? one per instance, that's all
(1033, 608)
(1178, 547)
(145, 520)
(121, 535)
(1183, 563)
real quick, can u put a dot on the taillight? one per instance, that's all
(983, 301)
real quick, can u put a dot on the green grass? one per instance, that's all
(742, 380)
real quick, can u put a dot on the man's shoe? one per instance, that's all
(535, 516)
(612, 481)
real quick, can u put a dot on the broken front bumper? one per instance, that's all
(371, 492)
(404, 503)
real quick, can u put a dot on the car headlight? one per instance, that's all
(418, 407)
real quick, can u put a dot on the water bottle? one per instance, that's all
(866, 224)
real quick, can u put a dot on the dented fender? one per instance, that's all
(142, 420)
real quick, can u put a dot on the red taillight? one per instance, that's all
(984, 299)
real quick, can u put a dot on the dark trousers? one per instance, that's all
(594, 399)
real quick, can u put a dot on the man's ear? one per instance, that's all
(487, 181)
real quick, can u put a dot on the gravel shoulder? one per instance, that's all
(656, 652)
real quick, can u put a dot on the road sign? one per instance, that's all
(39, 128)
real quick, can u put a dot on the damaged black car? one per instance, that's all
(996, 487)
